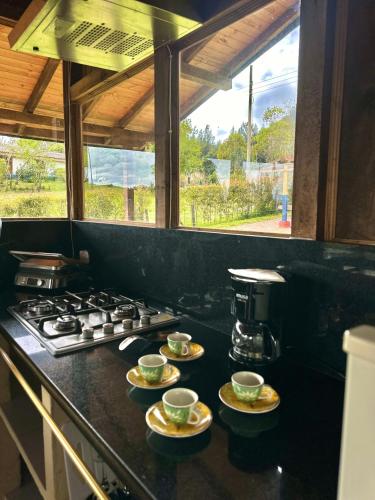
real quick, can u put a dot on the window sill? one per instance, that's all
(234, 231)
(118, 222)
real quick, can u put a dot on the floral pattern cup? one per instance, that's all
(178, 343)
(247, 386)
(179, 406)
(152, 367)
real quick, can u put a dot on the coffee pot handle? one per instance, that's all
(275, 347)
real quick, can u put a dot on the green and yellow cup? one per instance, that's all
(178, 343)
(152, 367)
(247, 386)
(179, 406)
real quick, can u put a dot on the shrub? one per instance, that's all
(35, 206)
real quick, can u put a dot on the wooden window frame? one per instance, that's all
(319, 108)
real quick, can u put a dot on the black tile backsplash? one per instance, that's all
(331, 286)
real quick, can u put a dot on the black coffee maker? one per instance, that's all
(258, 305)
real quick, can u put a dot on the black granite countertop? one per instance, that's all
(290, 453)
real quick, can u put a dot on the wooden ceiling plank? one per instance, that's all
(136, 108)
(191, 52)
(98, 81)
(277, 30)
(42, 84)
(215, 80)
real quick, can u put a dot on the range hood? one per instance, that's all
(109, 34)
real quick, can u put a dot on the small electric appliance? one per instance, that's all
(258, 304)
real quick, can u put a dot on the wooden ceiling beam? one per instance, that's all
(136, 108)
(100, 81)
(195, 101)
(238, 10)
(217, 80)
(41, 85)
(6, 21)
(88, 107)
(50, 123)
(117, 140)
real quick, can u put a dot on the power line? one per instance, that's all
(265, 82)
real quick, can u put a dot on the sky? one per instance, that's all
(274, 83)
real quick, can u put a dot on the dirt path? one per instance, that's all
(265, 226)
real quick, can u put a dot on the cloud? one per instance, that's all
(239, 85)
(266, 75)
(222, 132)
(274, 97)
(228, 109)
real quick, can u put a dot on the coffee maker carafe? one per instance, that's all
(258, 304)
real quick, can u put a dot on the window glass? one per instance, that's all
(232, 175)
(32, 158)
(119, 178)
(32, 178)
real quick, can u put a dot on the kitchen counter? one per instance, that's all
(290, 453)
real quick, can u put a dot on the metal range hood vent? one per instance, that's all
(109, 34)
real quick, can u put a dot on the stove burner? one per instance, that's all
(125, 311)
(67, 322)
(41, 307)
(77, 320)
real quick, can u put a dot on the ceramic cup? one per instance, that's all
(179, 404)
(152, 367)
(178, 343)
(247, 386)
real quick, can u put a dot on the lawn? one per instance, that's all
(102, 202)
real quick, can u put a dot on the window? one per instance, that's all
(232, 175)
(32, 157)
(32, 178)
(119, 167)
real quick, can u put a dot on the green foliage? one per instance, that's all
(3, 170)
(276, 142)
(190, 151)
(36, 165)
(272, 114)
(213, 204)
(234, 148)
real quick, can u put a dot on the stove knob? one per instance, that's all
(87, 333)
(127, 324)
(107, 328)
(145, 320)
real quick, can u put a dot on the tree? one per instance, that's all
(36, 166)
(190, 151)
(233, 148)
(3, 170)
(207, 142)
(243, 130)
(275, 142)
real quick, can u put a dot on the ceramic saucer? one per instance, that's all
(196, 351)
(269, 400)
(170, 377)
(158, 421)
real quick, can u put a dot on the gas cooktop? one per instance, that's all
(75, 321)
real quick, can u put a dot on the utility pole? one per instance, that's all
(249, 112)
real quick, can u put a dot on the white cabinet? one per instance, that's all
(357, 461)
